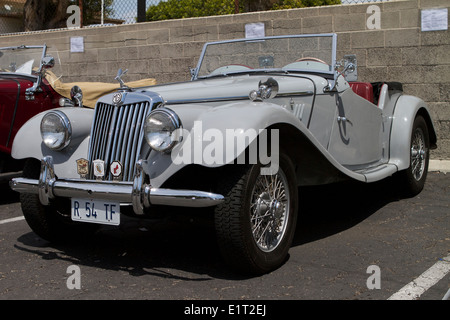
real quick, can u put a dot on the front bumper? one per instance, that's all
(138, 193)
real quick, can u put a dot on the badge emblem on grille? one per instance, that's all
(99, 169)
(117, 98)
(116, 170)
(82, 167)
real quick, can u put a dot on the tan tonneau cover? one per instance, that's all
(92, 91)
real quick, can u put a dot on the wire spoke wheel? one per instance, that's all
(418, 154)
(269, 210)
(412, 180)
(255, 225)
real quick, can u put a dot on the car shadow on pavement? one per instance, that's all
(175, 248)
(330, 209)
(185, 247)
(7, 195)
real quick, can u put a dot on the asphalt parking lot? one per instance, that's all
(353, 242)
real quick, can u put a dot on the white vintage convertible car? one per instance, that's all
(259, 118)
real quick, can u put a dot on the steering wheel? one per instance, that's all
(311, 59)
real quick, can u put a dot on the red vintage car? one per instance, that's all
(24, 92)
(28, 87)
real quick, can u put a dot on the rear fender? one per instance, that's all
(406, 110)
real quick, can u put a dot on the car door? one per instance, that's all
(356, 134)
(10, 89)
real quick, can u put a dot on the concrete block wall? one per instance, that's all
(165, 50)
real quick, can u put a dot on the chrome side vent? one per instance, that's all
(117, 135)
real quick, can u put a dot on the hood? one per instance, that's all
(232, 88)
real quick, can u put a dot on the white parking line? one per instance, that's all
(426, 280)
(12, 219)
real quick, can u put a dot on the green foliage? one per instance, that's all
(290, 4)
(93, 8)
(178, 9)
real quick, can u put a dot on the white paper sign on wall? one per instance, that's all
(254, 30)
(76, 44)
(434, 19)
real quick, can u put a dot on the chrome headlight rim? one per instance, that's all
(175, 133)
(65, 126)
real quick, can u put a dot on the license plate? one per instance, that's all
(96, 211)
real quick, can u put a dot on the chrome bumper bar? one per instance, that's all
(138, 193)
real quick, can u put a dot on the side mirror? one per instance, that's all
(48, 62)
(350, 67)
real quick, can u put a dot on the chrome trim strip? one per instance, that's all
(184, 198)
(295, 94)
(236, 98)
(202, 100)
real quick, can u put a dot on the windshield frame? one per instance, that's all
(331, 73)
(21, 47)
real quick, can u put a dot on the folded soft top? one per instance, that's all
(92, 91)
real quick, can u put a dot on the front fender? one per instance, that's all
(28, 142)
(216, 136)
(406, 110)
(222, 134)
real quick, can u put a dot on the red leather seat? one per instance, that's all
(363, 89)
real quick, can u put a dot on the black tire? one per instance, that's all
(53, 222)
(412, 180)
(245, 197)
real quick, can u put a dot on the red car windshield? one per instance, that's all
(23, 60)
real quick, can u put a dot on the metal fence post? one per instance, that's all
(140, 10)
(80, 3)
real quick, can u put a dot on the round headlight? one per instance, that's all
(56, 130)
(162, 129)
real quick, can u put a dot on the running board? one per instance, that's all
(379, 172)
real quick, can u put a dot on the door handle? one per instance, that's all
(344, 119)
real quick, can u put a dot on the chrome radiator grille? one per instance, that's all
(117, 135)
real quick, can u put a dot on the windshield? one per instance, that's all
(24, 60)
(305, 53)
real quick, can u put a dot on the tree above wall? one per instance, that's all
(44, 14)
(178, 9)
(52, 14)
